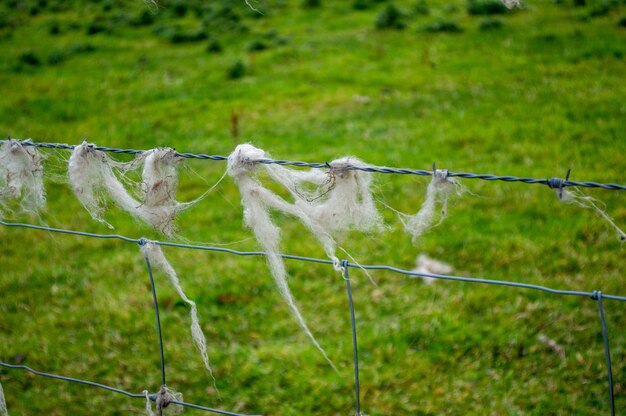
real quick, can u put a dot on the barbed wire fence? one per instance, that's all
(163, 397)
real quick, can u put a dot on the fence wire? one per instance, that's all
(160, 396)
(162, 399)
(554, 182)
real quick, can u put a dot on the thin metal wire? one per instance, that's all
(321, 261)
(116, 390)
(598, 295)
(208, 409)
(71, 379)
(355, 348)
(554, 183)
(158, 318)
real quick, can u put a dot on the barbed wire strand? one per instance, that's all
(595, 295)
(553, 183)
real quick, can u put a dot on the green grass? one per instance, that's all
(542, 93)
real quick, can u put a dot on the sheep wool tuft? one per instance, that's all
(257, 202)
(21, 177)
(439, 190)
(576, 197)
(94, 181)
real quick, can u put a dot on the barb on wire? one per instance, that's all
(550, 182)
(164, 398)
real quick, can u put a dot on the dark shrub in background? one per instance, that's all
(214, 46)
(421, 8)
(311, 4)
(145, 18)
(390, 18)
(490, 24)
(486, 7)
(29, 58)
(236, 70)
(439, 26)
(257, 45)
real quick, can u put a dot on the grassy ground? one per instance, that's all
(535, 94)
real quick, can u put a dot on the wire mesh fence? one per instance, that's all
(163, 397)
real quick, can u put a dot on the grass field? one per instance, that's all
(531, 92)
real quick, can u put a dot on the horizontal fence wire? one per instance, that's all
(142, 241)
(152, 396)
(595, 295)
(554, 182)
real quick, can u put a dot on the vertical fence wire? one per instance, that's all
(605, 335)
(156, 313)
(595, 295)
(355, 349)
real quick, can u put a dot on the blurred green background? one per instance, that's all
(470, 86)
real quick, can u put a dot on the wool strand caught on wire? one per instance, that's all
(439, 190)
(257, 202)
(3, 403)
(576, 197)
(155, 256)
(21, 177)
(96, 178)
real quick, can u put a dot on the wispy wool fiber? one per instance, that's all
(21, 177)
(96, 179)
(154, 254)
(257, 202)
(439, 190)
(3, 403)
(576, 197)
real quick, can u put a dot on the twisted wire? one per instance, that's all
(553, 183)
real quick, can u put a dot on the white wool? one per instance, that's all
(428, 265)
(511, 3)
(155, 256)
(21, 177)
(257, 201)
(93, 178)
(342, 199)
(149, 411)
(576, 197)
(159, 186)
(439, 191)
(249, 4)
(3, 404)
(552, 344)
